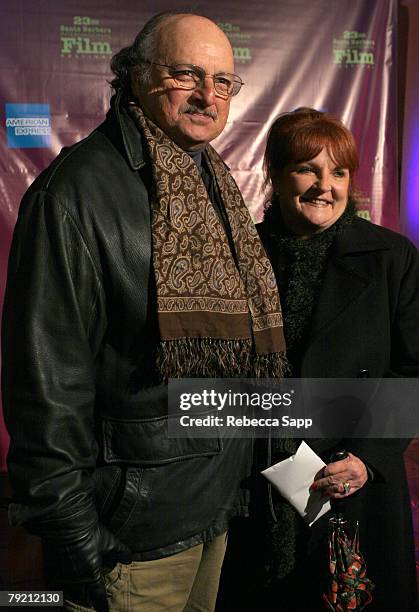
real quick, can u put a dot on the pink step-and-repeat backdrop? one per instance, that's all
(334, 55)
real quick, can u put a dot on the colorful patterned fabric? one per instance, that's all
(349, 588)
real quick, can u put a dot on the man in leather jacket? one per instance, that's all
(133, 261)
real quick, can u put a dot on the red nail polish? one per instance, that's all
(313, 487)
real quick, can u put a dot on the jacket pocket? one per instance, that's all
(146, 443)
(115, 580)
(107, 482)
(125, 506)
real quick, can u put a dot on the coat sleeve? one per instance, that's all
(53, 322)
(380, 454)
(405, 327)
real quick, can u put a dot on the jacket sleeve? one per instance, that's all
(53, 322)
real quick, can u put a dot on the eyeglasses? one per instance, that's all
(189, 76)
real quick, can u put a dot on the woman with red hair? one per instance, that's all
(350, 298)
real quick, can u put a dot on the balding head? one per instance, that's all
(145, 47)
(197, 35)
(191, 115)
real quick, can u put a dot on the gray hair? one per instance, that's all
(140, 53)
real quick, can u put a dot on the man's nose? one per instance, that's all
(206, 91)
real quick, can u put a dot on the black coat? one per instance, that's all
(365, 323)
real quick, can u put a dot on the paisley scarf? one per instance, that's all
(218, 312)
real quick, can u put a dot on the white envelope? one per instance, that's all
(293, 477)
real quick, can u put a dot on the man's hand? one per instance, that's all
(77, 566)
(89, 595)
(341, 478)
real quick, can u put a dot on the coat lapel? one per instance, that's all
(346, 279)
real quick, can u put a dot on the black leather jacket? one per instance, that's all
(87, 445)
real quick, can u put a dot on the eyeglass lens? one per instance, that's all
(225, 84)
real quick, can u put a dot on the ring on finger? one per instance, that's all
(346, 487)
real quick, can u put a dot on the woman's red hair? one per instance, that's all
(300, 136)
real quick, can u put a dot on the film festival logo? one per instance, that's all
(239, 41)
(85, 37)
(28, 126)
(354, 49)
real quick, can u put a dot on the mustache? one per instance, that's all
(193, 108)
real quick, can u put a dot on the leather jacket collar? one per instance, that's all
(131, 137)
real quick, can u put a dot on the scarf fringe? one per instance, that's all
(273, 365)
(203, 358)
(208, 358)
(216, 358)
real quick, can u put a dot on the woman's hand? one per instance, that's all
(341, 478)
